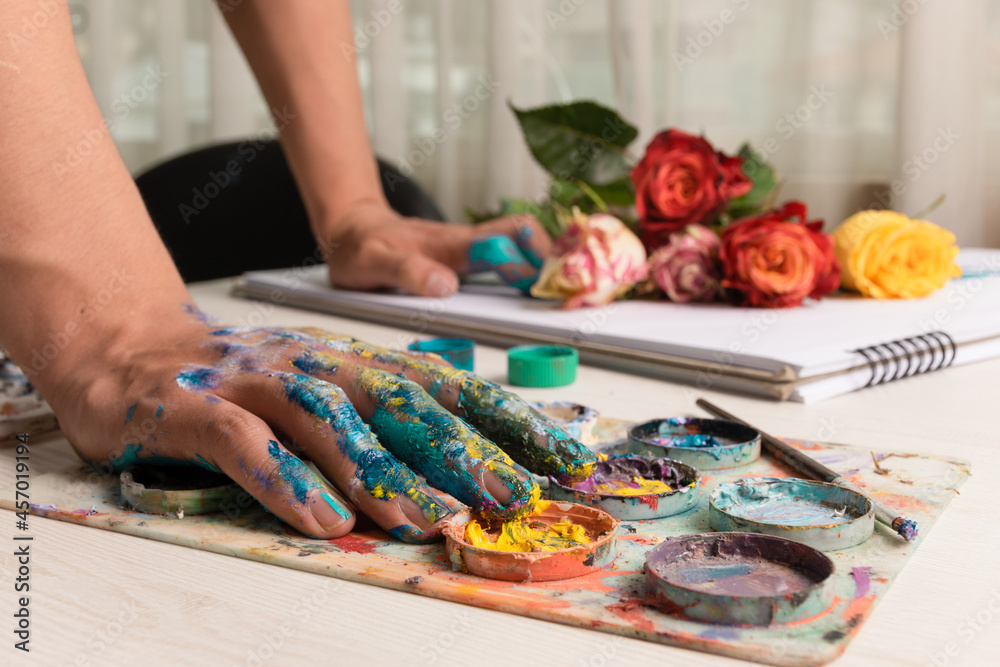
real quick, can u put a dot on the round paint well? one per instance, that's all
(706, 444)
(824, 516)
(683, 478)
(176, 490)
(579, 421)
(601, 527)
(459, 351)
(739, 578)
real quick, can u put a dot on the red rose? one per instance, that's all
(682, 181)
(777, 259)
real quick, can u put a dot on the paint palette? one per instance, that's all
(740, 578)
(824, 516)
(577, 420)
(706, 444)
(614, 599)
(598, 553)
(175, 491)
(634, 504)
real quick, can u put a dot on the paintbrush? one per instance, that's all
(809, 467)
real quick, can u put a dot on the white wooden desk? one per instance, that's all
(101, 598)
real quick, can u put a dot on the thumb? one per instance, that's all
(419, 274)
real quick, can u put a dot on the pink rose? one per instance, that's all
(687, 267)
(596, 260)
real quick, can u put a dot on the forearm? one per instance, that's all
(80, 261)
(295, 51)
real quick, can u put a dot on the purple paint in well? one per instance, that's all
(739, 578)
(624, 469)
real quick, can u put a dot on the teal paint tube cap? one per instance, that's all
(459, 351)
(542, 365)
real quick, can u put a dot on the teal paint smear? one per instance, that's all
(446, 450)
(531, 438)
(341, 512)
(159, 412)
(292, 471)
(129, 457)
(198, 379)
(501, 254)
(200, 461)
(382, 474)
(130, 412)
(528, 436)
(524, 235)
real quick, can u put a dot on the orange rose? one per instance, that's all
(777, 259)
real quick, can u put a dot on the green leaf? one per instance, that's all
(581, 140)
(544, 213)
(764, 180)
(618, 193)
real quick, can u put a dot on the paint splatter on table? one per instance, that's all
(613, 600)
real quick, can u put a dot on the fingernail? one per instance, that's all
(508, 485)
(423, 509)
(328, 511)
(441, 283)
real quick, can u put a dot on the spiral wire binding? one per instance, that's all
(886, 361)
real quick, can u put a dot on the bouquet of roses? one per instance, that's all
(692, 224)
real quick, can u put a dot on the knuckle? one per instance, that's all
(229, 431)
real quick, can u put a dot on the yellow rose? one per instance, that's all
(886, 255)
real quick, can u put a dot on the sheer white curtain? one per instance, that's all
(857, 102)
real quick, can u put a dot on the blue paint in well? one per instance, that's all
(788, 502)
(130, 412)
(459, 351)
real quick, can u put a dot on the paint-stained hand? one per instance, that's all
(369, 419)
(373, 247)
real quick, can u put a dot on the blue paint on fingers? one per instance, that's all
(502, 255)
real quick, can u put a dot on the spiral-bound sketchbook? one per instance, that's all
(819, 350)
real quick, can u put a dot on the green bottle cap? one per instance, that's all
(542, 365)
